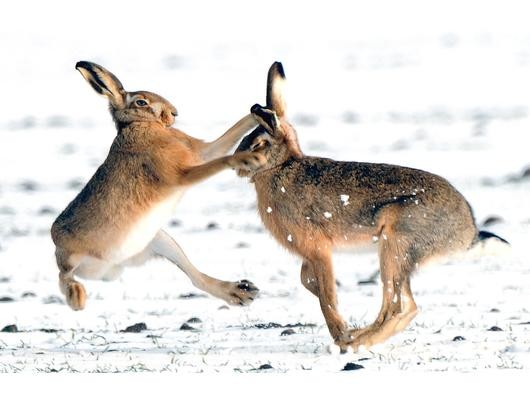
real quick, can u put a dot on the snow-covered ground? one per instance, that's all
(442, 89)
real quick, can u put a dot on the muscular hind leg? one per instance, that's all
(240, 292)
(398, 307)
(73, 290)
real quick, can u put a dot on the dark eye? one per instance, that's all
(259, 145)
(141, 103)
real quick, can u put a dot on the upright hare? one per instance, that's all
(314, 205)
(116, 220)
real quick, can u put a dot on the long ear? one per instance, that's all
(275, 87)
(104, 82)
(266, 118)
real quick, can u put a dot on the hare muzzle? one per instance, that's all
(246, 161)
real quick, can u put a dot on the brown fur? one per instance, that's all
(149, 162)
(313, 206)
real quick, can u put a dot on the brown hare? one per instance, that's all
(313, 206)
(116, 220)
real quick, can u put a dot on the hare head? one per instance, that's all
(274, 138)
(127, 107)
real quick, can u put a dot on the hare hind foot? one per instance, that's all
(379, 332)
(75, 295)
(238, 293)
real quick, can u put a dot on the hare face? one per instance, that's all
(146, 106)
(126, 107)
(259, 140)
(274, 138)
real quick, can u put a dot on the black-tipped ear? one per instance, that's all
(266, 118)
(275, 88)
(104, 82)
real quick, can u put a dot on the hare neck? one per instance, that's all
(265, 175)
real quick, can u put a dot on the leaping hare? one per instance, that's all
(116, 220)
(314, 205)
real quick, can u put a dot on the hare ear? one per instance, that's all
(266, 118)
(104, 82)
(275, 88)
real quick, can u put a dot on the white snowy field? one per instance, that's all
(443, 89)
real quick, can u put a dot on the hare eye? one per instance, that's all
(141, 103)
(258, 145)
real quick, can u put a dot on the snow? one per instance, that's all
(432, 87)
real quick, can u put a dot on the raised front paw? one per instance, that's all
(240, 293)
(247, 161)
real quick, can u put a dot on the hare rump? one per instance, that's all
(116, 220)
(314, 206)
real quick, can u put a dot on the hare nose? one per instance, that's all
(174, 113)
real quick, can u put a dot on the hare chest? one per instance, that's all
(142, 232)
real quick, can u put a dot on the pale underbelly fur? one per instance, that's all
(131, 250)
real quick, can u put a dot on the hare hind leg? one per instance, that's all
(73, 290)
(398, 307)
(409, 309)
(394, 322)
(240, 292)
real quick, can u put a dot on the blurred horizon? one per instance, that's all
(410, 56)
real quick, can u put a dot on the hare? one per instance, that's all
(313, 206)
(116, 220)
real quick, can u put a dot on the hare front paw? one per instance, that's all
(247, 161)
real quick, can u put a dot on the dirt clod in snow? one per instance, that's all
(136, 328)
(352, 366)
(495, 329)
(187, 327)
(6, 299)
(10, 328)
(212, 226)
(288, 332)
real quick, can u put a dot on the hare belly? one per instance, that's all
(144, 230)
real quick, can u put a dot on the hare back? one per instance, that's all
(347, 203)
